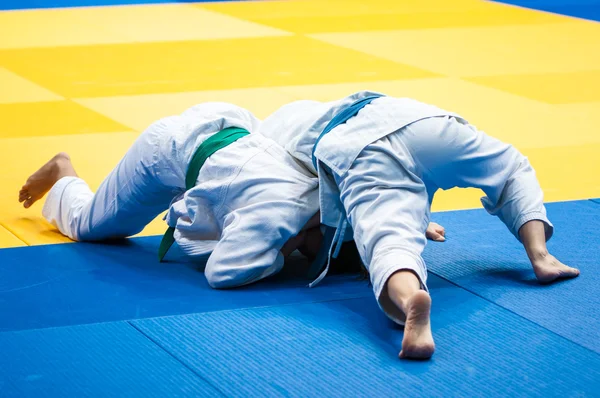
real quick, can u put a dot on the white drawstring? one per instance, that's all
(338, 239)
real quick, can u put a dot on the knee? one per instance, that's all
(216, 280)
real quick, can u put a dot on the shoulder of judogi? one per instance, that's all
(383, 116)
(399, 112)
(297, 125)
(216, 116)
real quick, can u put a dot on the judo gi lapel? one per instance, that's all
(333, 237)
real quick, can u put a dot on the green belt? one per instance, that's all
(211, 145)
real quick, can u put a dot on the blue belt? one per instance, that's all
(342, 118)
(334, 236)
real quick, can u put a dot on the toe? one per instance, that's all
(569, 272)
(416, 353)
(23, 198)
(28, 203)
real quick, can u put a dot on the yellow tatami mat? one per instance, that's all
(87, 80)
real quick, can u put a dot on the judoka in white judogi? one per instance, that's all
(250, 198)
(381, 168)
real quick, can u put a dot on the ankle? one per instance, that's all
(401, 287)
(62, 166)
(537, 254)
(62, 156)
(403, 303)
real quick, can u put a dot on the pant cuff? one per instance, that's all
(534, 215)
(393, 263)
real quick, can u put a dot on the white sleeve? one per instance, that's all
(250, 246)
(268, 203)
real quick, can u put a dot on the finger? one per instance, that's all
(437, 227)
(293, 243)
(433, 235)
(439, 238)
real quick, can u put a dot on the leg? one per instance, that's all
(129, 198)
(546, 267)
(455, 154)
(387, 205)
(405, 292)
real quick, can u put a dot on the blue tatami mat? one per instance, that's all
(348, 348)
(586, 9)
(71, 284)
(103, 360)
(484, 258)
(28, 4)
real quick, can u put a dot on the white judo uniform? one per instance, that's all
(249, 199)
(381, 169)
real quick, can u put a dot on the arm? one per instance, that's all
(255, 242)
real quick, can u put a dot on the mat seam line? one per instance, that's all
(13, 234)
(247, 308)
(514, 313)
(354, 297)
(156, 343)
(262, 307)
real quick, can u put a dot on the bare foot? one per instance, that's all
(418, 341)
(548, 269)
(42, 180)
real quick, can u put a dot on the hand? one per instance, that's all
(435, 232)
(293, 243)
(312, 243)
(308, 242)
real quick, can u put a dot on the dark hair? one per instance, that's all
(349, 262)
